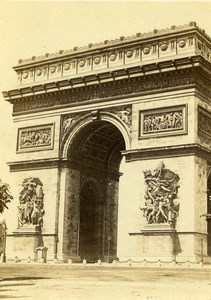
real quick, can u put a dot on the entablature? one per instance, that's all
(100, 78)
(190, 73)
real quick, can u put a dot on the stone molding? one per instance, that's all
(130, 155)
(75, 84)
(168, 151)
(133, 87)
(160, 227)
(178, 232)
(37, 164)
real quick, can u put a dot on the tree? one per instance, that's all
(5, 196)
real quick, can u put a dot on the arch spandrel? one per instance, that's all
(88, 119)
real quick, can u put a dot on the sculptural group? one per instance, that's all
(161, 205)
(31, 207)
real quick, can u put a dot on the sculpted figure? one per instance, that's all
(67, 123)
(125, 116)
(162, 188)
(31, 207)
(163, 121)
(32, 138)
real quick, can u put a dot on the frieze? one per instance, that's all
(204, 122)
(163, 121)
(35, 138)
(161, 199)
(103, 91)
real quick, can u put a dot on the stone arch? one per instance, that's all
(92, 150)
(90, 118)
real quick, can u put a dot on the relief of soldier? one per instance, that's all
(159, 122)
(31, 207)
(161, 204)
(31, 138)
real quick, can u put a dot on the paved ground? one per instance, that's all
(49, 282)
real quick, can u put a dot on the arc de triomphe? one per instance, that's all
(79, 113)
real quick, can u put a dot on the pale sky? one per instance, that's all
(34, 28)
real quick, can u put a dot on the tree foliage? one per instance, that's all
(5, 196)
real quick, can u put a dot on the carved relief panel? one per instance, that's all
(163, 121)
(35, 138)
(31, 206)
(204, 122)
(161, 203)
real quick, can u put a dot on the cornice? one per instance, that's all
(113, 91)
(130, 155)
(58, 163)
(37, 164)
(178, 80)
(104, 77)
(168, 151)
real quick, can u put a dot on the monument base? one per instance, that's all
(26, 241)
(158, 241)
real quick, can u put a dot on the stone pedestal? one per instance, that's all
(158, 241)
(26, 241)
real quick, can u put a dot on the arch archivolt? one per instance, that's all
(87, 119)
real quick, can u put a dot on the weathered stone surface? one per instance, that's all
(148, 99)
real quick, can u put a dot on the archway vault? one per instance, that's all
(94, 119)
(94, 146)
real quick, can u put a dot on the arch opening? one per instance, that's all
(88, 230)
(100, 142)
(94, 157)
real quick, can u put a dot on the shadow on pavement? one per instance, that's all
(4, 285)
(22, 278)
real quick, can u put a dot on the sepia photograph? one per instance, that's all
(105, 156)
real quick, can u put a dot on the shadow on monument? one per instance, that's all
(177, 246)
